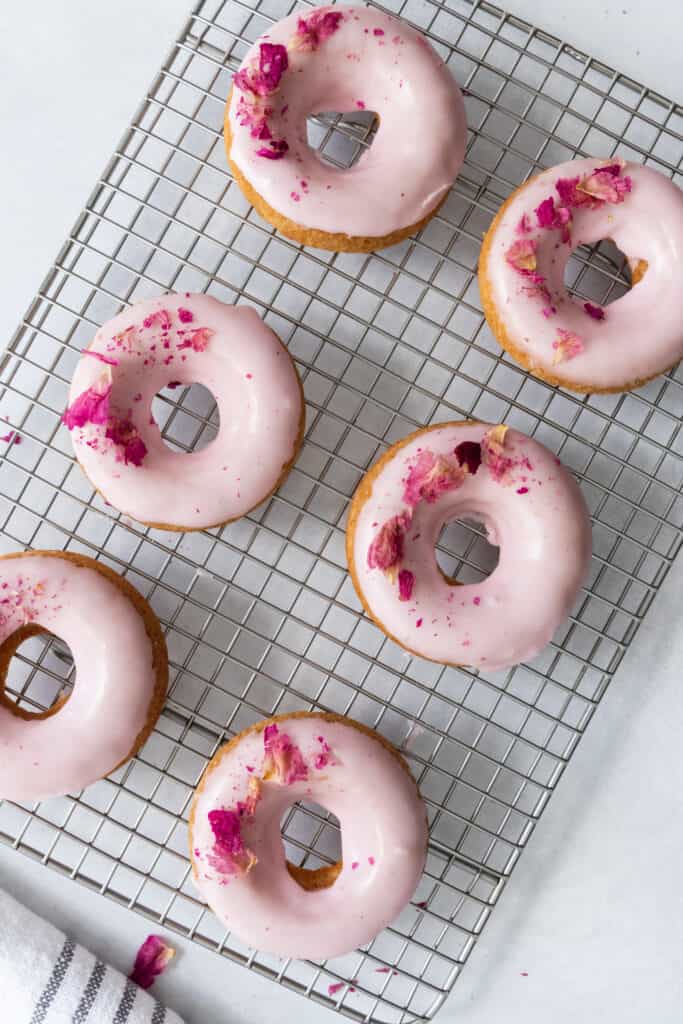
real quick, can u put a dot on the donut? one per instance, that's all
(557, 336)
(345, 59)
(533, 511)
(121, 667)
(238, 860)
(180, 340)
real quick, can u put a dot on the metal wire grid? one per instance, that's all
(260, 616)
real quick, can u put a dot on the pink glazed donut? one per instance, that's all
(533, 511)
(121, 673)
(236, 848)
(181, 340)
(345, 59)
(563, 339)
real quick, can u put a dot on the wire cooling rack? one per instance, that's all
(261, 616)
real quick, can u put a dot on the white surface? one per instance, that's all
(594, 913)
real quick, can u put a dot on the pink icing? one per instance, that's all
(532, 509)
(114, 677)
(379, 809)
(333, 54)
(641, 333)
(181, 340)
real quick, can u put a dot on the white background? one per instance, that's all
(590, 928)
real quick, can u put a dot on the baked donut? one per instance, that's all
(345, 59)
(121, 667)
(179, 340)
(557, 336)
(533, 511)
(236, 848)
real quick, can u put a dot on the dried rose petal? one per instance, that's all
(262, 75)
(522, 255)
(248, 806)
(186, 316)
(325, 756)
(596, 312)
(124, 434)
(493, 452)
(278, 149)
(545, 213)
(430, 477)
(567, 345)
(604, 186)
(153, 957)
(523, 225)
(197, 339)
(102, 358)
(229, 855)
(468, 454)
(312, 31)
(162, 319)
(386, 550)
(406, 582)
(283, 761)
(92, 405)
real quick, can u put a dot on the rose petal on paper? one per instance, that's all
(152, 959)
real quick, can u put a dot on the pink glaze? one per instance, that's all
(115, 679)
(635, 337)
(533, 511)
(367, 60)
(383, 831)
(183, 339)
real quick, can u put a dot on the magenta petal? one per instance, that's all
(406, 582)
(92, 406)
(468, 453)
(545, 213)
(153, 957)
(596, 312)
(386, 550)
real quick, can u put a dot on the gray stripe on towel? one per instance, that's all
(90, 991)
(159, 1015)
(55, 980)
(126, 1005)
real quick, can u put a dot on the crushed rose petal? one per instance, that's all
(313, 30)
(430, 477)
(523, 225)
(605, 186)
(102, 358)
(522, 255)
(567, 345)
(386, 550)
(468, 454)
(406, 582)
(92, 405)
(162, 319)
(282, 760)
(229, 855)
(262, 76)
(153, 957)
(493, 452)
(278, 149)
(186, 316)
(325, 756)
(197, 339)
(596, 312)
(124, 434)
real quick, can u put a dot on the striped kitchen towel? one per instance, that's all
(46, 978)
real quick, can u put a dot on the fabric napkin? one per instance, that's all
(45, 978)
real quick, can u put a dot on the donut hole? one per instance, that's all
(36, 672)
(600, 273)
(463, 552)
(187, 416)
(311, 838)
(341, 139)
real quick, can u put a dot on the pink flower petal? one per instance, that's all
(186, 316)
(325, 757)
(283, 762)
(567, 345)
(162, 319)
(314, 29)
(92, 405)
(262, 76)
(102, 358)
(523, 225)
(125, 436)
(276, 150)
(153, 957)
(386, 550)
(522, 255)
(545, 213)
(468, 454)
(406, 582)
(430, 477)
(197, 339)
(494, 457)
(596, 312)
